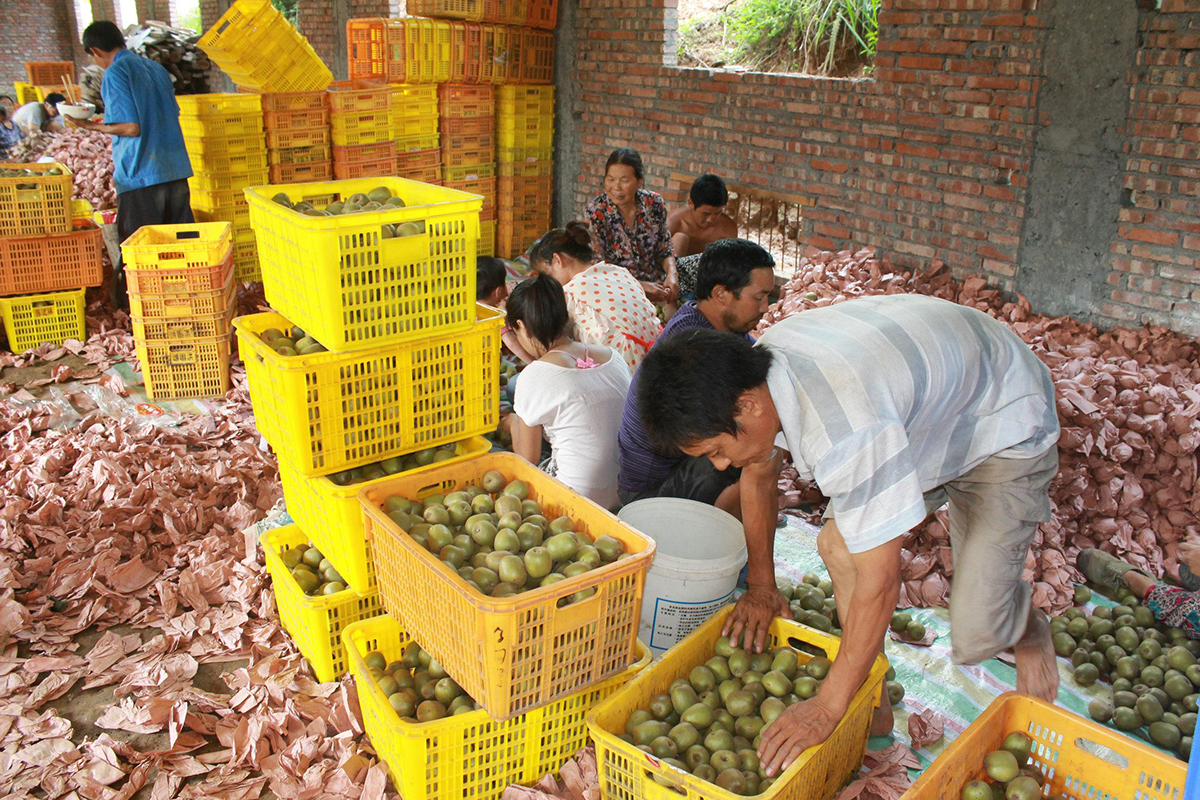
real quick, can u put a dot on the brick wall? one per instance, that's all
(33, 30)
(927, 160)
(324, 25)
(1154, 258)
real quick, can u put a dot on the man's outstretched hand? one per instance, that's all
(752, 616)
(801, 726)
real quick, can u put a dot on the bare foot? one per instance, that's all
(885, 718)
(1037, 670)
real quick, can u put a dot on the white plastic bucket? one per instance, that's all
(701, 550)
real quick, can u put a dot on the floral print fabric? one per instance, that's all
(640, 250)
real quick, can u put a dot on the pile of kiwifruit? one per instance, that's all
(1012, 778)
(416, 686)
(498, 540)
(312, 571)
(378, 199)
(1152, 668)
(508, 371)
(292, 342)
(395, 464)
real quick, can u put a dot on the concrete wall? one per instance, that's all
(1048, 145)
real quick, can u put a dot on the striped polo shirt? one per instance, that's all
(882, 399)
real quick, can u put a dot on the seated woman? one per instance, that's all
(573, 393)
(605, 302)
(1174, 606)
(10, 132)
(694, 228)
(629, 225)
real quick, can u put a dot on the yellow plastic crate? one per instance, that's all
(37, 204)
(213, 182)
(818, 774)
(327, 412)
(333, 515)
(261, 50)
(362, 127)
(1065, 751)
(219, 104)
(511, 654)
(468, 755)
(350, 289)
(230, 123)
(25, 92)
(487, 238)
(245, 262)
(194, 246)
(185, 368)
(314, 623)
(34, 319)
(415, 127)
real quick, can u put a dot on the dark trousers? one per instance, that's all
(160, 204)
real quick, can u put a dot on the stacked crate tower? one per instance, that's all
(418, 135)
(299, 144)
(525, 142)
(364, 130)
(182, 296)
(469, 150)
(224, 137)
(50, 251)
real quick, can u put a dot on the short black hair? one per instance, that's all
(54, 98)
(490, 275)
(709, 190)
(729, 263)
(103, 35)
(574, 241)
(689, 385)
(629, 157)
(540, 303)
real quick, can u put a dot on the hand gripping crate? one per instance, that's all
(818, 774)
(51, 263)
(35, 319)
(512, 654)
(35, 203)
(314, 623)
(351, 288)
(1077, 757)
(470, 754)
(333, 516)
(327, 412)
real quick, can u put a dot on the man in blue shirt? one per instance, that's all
(151, 164)
(733, 287)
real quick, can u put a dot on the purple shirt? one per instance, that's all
(643, 467)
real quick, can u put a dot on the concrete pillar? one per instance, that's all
(566, 115)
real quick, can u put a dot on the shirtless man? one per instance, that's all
(697, 226)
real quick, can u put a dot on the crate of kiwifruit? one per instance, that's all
(325, 412)
(724, 697)
(368, 262)
(327, 505)
(472, 755)
(523, 590)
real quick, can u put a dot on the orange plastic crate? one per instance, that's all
(301, 173)
(514, 237)
(481, 186)
(53, 263)
(364, 152)
(177, 305)
(175, 282)
(472, 52)
(542, 14)
(200, 326)
(431, 174)
(491, 10)
(467, 158)
(537, 57)
(449, 9)
(487, 54)
(466, 126)
(457, 101)
(348, 170)
(50, 73)
(511, 188)
(419, 159)
(359, 96)
(301, 137)
(469, 141)
(366, 48)
(293, 101)
(299, 155)
(291, 120)
(526, 169)
(458, 52)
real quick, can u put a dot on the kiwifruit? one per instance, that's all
(1001, 765)
(977, 790)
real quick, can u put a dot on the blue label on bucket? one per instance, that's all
(673, 620)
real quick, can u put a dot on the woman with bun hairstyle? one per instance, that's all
(629, 224)
(572, 392)
(606, 303)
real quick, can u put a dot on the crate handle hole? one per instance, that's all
(806, 647)
(1101, 752)
(181, 235)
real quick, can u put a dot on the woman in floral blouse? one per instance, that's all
(629, 226)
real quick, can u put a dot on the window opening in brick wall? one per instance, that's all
(188, 15)
(83, 16)
(289, 8)
(831, 38)
(127, 13)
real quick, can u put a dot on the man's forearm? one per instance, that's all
(869, 614)
(760, 509)
(129, 129)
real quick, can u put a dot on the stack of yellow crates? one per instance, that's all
(469, 151)
(182, 296)
(299, 145)
(224, 137)
(525, 139)
(418, 137)
(364, 130)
